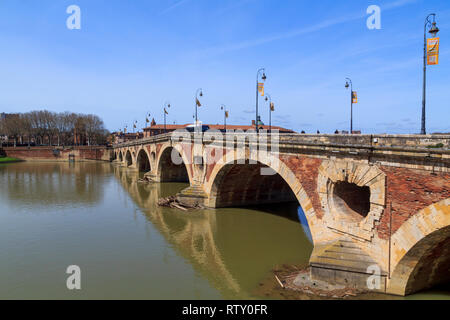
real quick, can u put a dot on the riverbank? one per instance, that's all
(9, 160)
(63, 154)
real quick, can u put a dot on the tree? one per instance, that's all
(42, 126)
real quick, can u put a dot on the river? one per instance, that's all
(98, 217)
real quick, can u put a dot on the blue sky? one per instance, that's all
(130, 57)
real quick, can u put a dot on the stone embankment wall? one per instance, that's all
(80, 153)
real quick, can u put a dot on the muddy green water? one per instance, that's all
(98, 217)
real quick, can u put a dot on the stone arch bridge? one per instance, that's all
(375, 204)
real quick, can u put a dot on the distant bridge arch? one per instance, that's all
(128, 158)
(172, 165)
(143, 161)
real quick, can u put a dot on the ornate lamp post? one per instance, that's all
(347, 85)
(166, 105)
(198, 94)
(225, 116)
(263, 77)
(271, 109)
(433, 31)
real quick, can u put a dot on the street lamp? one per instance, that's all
(166, 113)
(225, 116)
(198, 94)
(271, 109)
(263, 77)
(433, 31)
(347, 85)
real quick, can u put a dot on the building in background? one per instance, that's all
(156, 129)
(121, 137)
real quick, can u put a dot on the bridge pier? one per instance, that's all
(343, 262)
(193, 196)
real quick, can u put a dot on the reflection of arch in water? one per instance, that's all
(192, 236)
(171, 165)
(143, 161)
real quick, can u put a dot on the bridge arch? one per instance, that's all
(128, 158)
(421, 250)
(233, 184)
(167, 170)
(120, 156)
(143, 161)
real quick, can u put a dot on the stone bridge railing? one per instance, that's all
(405, 142)
(416, 149)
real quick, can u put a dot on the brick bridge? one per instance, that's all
(374, 203)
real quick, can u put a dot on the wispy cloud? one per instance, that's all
(173, 6)
(232, 7)
(397, 4)
(297, 32)
(280, 36)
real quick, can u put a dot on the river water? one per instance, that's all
(98, 217)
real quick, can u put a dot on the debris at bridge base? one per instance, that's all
(146, 179)
(174, 203)
(291, 278)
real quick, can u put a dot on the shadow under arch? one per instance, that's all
(239, 184)
(128, 159)
(143, 161)
(422, 248)
(120, 156)
(168, 170)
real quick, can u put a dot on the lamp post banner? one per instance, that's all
(433, 51)
(354, 97)
(261, 88)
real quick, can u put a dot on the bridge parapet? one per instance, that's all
(437, 142)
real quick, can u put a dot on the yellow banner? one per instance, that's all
(354, 97)
(261, 88)
(226, 114)
(433, 51)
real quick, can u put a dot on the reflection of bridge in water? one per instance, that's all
(231, 261)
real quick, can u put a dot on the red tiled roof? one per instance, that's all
(168, 127)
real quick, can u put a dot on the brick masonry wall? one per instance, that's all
(306, 170)
(409, 191)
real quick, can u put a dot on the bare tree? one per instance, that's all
(44, 126)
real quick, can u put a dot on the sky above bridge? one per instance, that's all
(130, 57)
